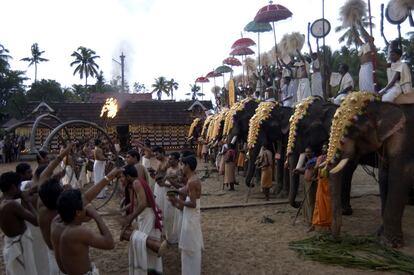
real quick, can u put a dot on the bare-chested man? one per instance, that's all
(59, 225)
(172, 217)
(159, 188)
(99, 165)
(18, 246)
(71, 240)
(191, 238)
(145, 242)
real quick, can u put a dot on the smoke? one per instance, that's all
(125, 47)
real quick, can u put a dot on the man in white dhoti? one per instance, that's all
(145, 247)
(302, 72)
(345, 85)
(159, 189)
(366, 54)
(15, 210)
(172, 217)
(316, 77)
(400, 78)
(40, 250)
(191, 239)
(99, 165)
(287, 92)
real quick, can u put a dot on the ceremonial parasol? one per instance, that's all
(257, 27)
(232, 61)
(213, 75)
(242, 52)
(202, 80)
(243, 43)
(272, 13)
(222, 70)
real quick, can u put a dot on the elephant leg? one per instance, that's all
(399, 186)
(383, 184)
(346, 187)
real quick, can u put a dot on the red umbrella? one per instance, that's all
(232, 61)
(202, 79)
(242, 51)
(243, 43)
(272, 13)
(213, 75)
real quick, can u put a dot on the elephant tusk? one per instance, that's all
(301, 161)
(339, 167)
(233, 140)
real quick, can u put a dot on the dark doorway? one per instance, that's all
(123, 135)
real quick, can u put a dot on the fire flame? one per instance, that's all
(110, 108)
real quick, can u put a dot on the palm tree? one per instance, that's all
(351, 35)
(160, 86)
(4, 59)
(85, 61)
(35, 58)
(194, 91)
(172, 85)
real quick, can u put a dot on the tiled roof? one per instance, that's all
(140, 112)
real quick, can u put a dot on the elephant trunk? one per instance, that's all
(253, 153)
(293, 180)
(336, 191)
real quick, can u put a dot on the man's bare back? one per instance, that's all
(11, 221)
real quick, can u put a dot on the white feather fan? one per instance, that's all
(352, 12)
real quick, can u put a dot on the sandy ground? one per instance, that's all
(237, 242)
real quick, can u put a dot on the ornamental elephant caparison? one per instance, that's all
(273, 130)
(388, 130)
(241, 119)
(312, 131)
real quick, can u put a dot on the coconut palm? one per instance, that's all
(351, 36)
(85, 61)
(35, 58)
(4, 58)
(194, 91)
(161, 86)
(172, 85)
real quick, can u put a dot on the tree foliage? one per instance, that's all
(160, 86)
(35, 58)
(85, 63)
(46, 90)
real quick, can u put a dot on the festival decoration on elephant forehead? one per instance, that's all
(229, 120)
(345, 116)
(206, 124)
(262, 114)
(211, 126)
(217, 123)
(300, 112)
(192, 126)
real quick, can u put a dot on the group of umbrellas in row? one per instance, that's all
(264, 21)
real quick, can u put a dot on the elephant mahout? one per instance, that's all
(269, 125)
(309, 127)
(364, 125)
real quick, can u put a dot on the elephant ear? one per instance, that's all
(390, 119)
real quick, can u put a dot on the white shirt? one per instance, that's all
(346, 81)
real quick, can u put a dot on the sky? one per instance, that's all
(180, 39)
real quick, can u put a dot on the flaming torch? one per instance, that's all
(110, 108)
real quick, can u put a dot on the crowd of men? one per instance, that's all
(42, 215)
(301, 79)
(10, 147)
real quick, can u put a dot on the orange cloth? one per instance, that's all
(322, 214)
(266, 177)
(241, 159)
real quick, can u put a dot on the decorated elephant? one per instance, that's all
(309, 127)
(240, 117)
(269, 125)
(364, 125)
(194, 133)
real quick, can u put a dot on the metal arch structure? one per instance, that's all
(101, 130)
(34, 128)
(19, 124)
